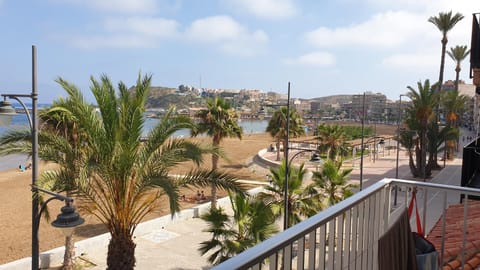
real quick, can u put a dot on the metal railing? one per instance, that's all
(345, 236)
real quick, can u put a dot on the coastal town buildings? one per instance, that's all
(255, 103)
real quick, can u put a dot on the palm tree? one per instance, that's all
(453, 104)
(458, 54)
(277, 127)
(332, 139)
(127, 177)
(301, 200)
(219, 121)
(252, 223)
(333, 182)
(444, 22)
(421, 114)
(61, 143)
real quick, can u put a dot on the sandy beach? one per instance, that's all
(15, 197)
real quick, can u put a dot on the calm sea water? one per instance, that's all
(20, 121)
(249, 126)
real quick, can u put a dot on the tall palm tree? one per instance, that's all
(332, 181)
(127, 177)
(277, 126)
(421, 112)
(252, 223)
(445, 21)
(219, 121)
(301, 200)
(332, 139)
(458, 54)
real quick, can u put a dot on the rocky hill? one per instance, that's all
(333, 99)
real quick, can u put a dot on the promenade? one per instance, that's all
(164, 243)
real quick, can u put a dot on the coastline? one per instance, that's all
(10, 162)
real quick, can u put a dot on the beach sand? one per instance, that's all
(16, 202)
(15, 197)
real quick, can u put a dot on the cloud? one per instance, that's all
(228, 34)
(155, 27)
(221, 32)
(420, 61)
(133, 32)
(389, 29)
(317, 59)
(119, 6)
(267, 9)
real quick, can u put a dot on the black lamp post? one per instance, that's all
(399, 121)
(361, 148)
(287, 169)
(66, 220)
(6, 110)
(315, 158)
(374, 138)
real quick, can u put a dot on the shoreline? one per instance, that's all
(16, 197)
(12, 161)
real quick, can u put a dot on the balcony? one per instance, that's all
(346, 235)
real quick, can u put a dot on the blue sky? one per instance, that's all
(323, 47)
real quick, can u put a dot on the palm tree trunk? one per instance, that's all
(121, 252)
(278, 149)
(69, 253)
(457, 76)
(442, 62)
(216, 143)
(214, 187)
(69, 245)
(411, 163)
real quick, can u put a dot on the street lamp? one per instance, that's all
(374, 138)
(67, 220)
(287, 169)
(399, 121)
(315, 158)
(361, 148)
(6, 110)
(287, 130)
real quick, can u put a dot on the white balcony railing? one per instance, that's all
(345, 236)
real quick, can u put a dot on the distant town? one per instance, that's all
(257, 104)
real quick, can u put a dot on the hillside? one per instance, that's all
(333, 99)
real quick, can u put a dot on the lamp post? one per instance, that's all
(374, 138)
(66, 220)
(399, 121)
(287, 169)
(361, 148)
(7, 110)
(315, 158)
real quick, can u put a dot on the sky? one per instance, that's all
(323, 47)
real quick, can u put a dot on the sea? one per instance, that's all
(20, 121)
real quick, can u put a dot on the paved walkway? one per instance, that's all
(167, 244)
